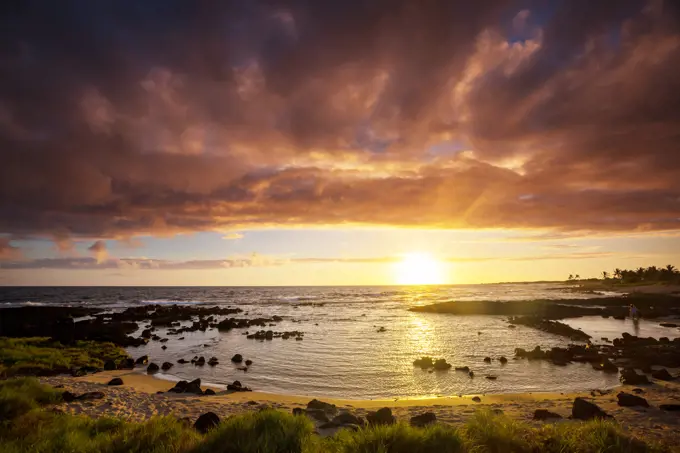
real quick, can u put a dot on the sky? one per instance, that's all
(375, 142)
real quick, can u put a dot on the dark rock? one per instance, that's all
(90, 396)
(164, 347)
(200, 361)
(213, 361)
(209, 392)
(237, 387)
(110, 365)
(662, 375)
(347, 418)
(544, 414)
(503, 360)
(238, 358)
(146, 333)
(670, 407)
(487, 359)
(249, 362)
(382, 329)
(606, 366)
(477, 399)
(164, 340)
(440, 364)
(381, 417)
(423, 419)
(423, 362)
(115, 381)
(166, 366)
(181, 338)
(68, 396)
(463, 368)
(628, 400)
(318, 414)
(143, 360)
(194, 387)
(152, 368)
(647, 368)
(471, 374)
(179, 387)
(668, 324)
(491, 377)
(296, 410)
(630, 377)
(126, 364)
(182, 361)
(206, 422)
(585, 410)
(323, 406)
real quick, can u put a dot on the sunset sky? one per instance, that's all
(283, 142)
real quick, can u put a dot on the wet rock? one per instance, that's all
(488, 359)
(181, 338)
(152, 368)
(463, 368)
(628, 400)
(242, 368)
(347, 418)
(206, 422)
(179, 387)
(110, 365)
(668, 324)
(126, 364)
(115, 381)
(318, 415)
(382, 329)
(143, 360)
(182, 361)
(670, 407)
(164, 340)
(585, 410)
(296, 410)
(237, 358)
(237, 387)
(630, 377)
(503, 360)
(90, 396)
(166, 366)
(423, 419)
(209, 392)
(544, 414)
(662, 375)
(194, 387)
(164, 347)
(381, 417)
(606, 366)
(423, 362)
(477, 399)
(440, 364)
(471, 374)
(249, 362)
(491, 377)
(146, 333)
(200, 361)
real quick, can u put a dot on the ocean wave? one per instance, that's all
(170, 302)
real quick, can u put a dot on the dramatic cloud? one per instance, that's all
(120, 118)
(7, 250)
(98, 249)
(232, 236)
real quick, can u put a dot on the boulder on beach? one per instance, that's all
(143, 360)
(194, 387)
(662, 375)
(179, 387)
(126, 364)
(347, 418)
(423, 419)
(323, 406)
(237, 387)
(381, 417)
(628, 400)
(152, 368)
(115, 381)
(630, 377)
(477, 399)
(206, 422)
(166, 366)
(209, 392)
(544, 414)
(318, 415)
(237, 358)
(90, 396)
(585, 410)
(68, 397)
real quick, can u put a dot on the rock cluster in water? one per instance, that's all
(427, 363)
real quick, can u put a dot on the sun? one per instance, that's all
(419, 269)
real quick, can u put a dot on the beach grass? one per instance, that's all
(31, 425)
(42, 356)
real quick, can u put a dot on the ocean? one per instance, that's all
(344, 354)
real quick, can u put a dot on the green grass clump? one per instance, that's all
(19, 396)
(267, 431)
(42, 356)
(28, 428)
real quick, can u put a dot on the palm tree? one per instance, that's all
(618, 274)
(605, 275)
(577, 277)
(571, 277)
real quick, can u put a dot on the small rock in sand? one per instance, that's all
(628, 400)
(115, 381)
(585, 410)
(544, 414)
(423, 419)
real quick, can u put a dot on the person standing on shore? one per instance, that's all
(634, 314)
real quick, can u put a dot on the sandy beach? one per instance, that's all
(138, 399)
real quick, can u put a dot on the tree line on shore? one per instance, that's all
(653, 274)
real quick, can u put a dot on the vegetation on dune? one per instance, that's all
(28, 428)
(42, 356)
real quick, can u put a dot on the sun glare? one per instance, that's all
(419, 269)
